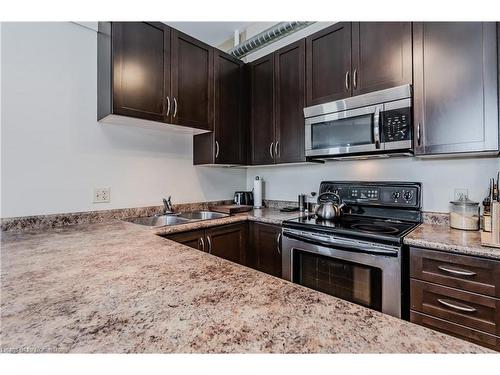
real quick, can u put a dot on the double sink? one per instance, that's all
(176, 219)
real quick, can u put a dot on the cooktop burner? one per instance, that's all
(374, 228)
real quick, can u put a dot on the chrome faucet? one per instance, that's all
(167, 206)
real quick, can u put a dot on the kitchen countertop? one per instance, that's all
(442, 237)
(117, 287)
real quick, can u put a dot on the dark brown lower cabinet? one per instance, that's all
(226, 241)
(265, 248)
(456, 294)
(256, 245)
(194, 239)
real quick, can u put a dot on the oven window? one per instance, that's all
(350, 281)
(350, 131)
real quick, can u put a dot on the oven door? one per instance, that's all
(345, 132)
(362, 274)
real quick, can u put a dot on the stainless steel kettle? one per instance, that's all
(330, 206)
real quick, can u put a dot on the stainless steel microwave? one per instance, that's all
(377, 123)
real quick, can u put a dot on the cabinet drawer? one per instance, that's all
(464, 272)
(456, 330)
(464, 308)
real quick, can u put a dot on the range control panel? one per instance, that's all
(398, 194)
(396, 125)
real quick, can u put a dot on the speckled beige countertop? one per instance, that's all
(117, 287)
(444, 238)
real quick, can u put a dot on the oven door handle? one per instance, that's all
(335, 243)
(376, 127)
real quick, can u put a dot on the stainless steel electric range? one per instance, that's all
(360, 256)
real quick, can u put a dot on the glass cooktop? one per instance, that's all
(354, 226)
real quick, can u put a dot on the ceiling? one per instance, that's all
(213, 33)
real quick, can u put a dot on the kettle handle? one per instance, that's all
(339, 199)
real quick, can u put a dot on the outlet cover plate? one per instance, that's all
(102, 195)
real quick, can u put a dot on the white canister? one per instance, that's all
(257, 192)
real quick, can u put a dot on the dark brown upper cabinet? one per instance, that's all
(329, 64)
(149, 71)
(226, 144)
(381, 55)
(456, 89)
(192, 82)
(348, 59)
(277, 99)
(262, 110)
(289, 78)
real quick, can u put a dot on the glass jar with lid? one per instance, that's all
(464, 214)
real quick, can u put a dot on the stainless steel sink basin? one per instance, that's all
(202, 215)
(183, 218)
(158, 221)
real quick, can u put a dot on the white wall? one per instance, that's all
(439, 177)
(54, 152)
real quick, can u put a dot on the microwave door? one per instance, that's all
(346, 132)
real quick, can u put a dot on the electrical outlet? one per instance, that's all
(459, 193)
(102, 195)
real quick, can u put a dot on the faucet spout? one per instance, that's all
(167, 206)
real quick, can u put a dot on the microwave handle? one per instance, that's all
(376, 127)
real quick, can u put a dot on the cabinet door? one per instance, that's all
(141, 77)
(225, 145)
(329, 64)
(194, 239)
(192, 82)
(455, 87)
(381, 55)
(265, 254)
(289, 69)
(229, 135)
(262, 110)
(228, 241)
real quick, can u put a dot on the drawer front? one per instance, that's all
(468, 334)
(464, 272)
(468, 309)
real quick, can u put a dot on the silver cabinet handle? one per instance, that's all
(355, 79)
(347, 84)
(460, 307)
(168, 105)
(175, 107)
(271, 150)
(376, 127)
(216, 149)
(209, 245)
(276, 148)
(202, 243)
(457, 271)
(418, 134)
(278, 239)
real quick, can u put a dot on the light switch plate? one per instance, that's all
(102, 195)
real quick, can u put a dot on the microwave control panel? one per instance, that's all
(396, 125)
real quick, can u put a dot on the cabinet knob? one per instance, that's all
(271, 150)
(347, 81)
(216, 149)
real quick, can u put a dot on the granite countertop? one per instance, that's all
(442, 237)
(117, 287)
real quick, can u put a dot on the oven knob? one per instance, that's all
(396, 195)
(407, 195)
